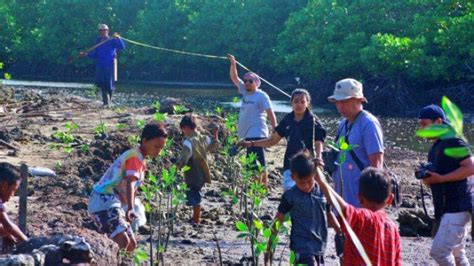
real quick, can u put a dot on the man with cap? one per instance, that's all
(450, 190)
(104, 56)
(360, 128)
(256, 107)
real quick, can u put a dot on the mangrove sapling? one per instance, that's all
(101, 129)
(163, 196)
(120, 126)
(252, 192)
(179, 109)
(65, 138)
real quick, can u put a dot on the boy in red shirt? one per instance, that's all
(378, 234)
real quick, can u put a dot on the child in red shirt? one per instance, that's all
(378, 234)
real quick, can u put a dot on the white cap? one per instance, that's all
(346, 89)
(103, 27)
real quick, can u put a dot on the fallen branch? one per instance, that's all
(8, 145)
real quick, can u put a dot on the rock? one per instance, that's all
(53, 250)
(414, 223)
(167, 105)
(18, 260)
(187, 242)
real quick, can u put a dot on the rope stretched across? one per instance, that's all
(206, 56)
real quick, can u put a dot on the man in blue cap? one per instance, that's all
(104, 56)
(450, 190)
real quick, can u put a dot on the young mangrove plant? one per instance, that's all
(163, 195)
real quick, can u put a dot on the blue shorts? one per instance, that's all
(193, 197)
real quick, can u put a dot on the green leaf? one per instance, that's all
(292, 257)
(244, 235)
(257, 201)
(185, 168)
(152, 178)
(260, 248)
(241, 226)
(258, 224)
(267, 232)
(433, 131)
(159, 117)
(7, 76)
(458, 152)
(453, 114)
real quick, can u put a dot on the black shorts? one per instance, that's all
(257, 150)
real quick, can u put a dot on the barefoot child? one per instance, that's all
(118, 186)
(308, 210)
(9, 182)
(194, 155)
(377, 233)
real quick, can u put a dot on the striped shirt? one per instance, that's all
(377, 233)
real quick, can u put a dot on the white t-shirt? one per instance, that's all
(253, 116)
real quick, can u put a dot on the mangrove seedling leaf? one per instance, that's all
(433, 131)
(185, 168)
(258, 224)
(241, 226)
(292, 257)
(458, 152)
(267, 232)
(453, 114)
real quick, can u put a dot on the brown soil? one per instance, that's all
(59, 205)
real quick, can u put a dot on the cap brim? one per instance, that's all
(335, 98)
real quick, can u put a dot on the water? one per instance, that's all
(397, 131)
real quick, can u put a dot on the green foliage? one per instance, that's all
(140, 256)
(179, 109)
(140, 124)
(120, 126)
(133, 140)
(100, 129)
(409, 40)
(160, 117)
(66, 138)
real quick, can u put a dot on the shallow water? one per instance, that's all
(398, 131)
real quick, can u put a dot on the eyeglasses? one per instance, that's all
(103, 30)
(248, 81)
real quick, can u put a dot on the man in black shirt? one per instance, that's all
(450, 190)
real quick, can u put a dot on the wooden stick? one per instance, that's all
(8, 145)
(23, 197)
(90, 49)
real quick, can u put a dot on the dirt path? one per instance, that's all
(59, 205)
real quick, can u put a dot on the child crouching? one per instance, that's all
(9, 182)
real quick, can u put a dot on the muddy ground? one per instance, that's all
(59, 205)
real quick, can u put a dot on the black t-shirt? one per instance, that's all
(299, 134)
(449, 197)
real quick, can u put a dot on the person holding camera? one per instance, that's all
(448, 179)
(363, 130)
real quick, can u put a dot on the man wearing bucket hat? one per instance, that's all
(361, 129)
(452, 198)
(104, 55)
(256, 107)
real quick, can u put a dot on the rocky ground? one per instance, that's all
(58, 205)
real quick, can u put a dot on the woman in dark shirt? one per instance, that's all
(300, 128)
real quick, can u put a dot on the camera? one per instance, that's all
(422, 171)
(234, 150)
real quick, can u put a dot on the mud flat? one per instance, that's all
(58, 205)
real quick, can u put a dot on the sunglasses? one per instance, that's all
(248, 81)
